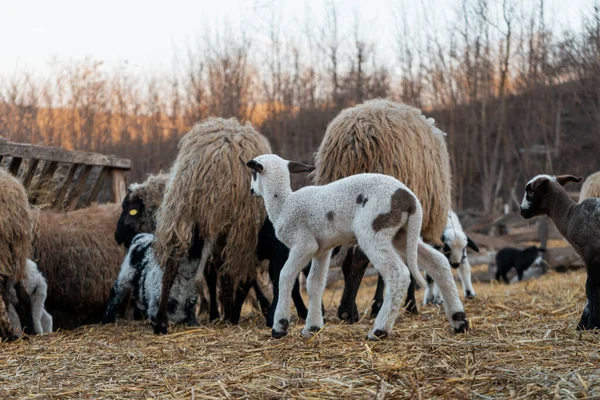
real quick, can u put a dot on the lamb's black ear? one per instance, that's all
(566, 179)
(443, 238)
(472, 244)
(296, 167)
(255, 166)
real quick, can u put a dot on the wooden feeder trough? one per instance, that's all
(80, 166)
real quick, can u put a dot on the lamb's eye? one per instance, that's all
(530, 193)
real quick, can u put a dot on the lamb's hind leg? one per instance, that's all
(592, 288)
(297, 259)
(437, 265)
(464, 271)
(315, 285)
(396, 277)
(354, 267)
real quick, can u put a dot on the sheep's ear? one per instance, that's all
(472, 244)
(297, 167)
(255, 166)
(566, 179)
(443, 238)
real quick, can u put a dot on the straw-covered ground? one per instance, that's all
(522, 345)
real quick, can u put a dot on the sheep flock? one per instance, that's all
(185, 289)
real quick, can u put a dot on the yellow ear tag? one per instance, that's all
(133, 212)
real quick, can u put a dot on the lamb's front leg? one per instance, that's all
(297, 259)
(593, 302)
(315, 285)
(464, 272)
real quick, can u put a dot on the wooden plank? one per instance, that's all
(119, 188)
(62, 190)
(61, 155)
(47, 173)
(97, 186)
(78, 188)
(30, 172)
(14, 166)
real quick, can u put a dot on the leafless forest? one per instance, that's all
(516, 96)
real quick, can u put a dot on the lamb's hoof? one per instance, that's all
(348, 316)
(161, 329)
(412, 309)
(470, 295)
(378, 334)
(460, 322)
(281, 330)
(437, 300)
(308, 333)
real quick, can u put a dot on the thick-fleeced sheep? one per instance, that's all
(590, 188)
(37, 288)
(77, 254)
(142, 276)
(376, 211)
(580, 226)
(15, 247)
(508, 258)
(381, 136)
(209, 191)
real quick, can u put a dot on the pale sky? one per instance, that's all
(147, 32)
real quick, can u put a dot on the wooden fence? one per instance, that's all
(42, 162)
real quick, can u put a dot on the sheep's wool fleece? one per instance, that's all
(381, 136)
(77, 253)
(15, 227)
(151, 191)
(209, 189)
(591, 187)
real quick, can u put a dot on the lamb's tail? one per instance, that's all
(413, 234)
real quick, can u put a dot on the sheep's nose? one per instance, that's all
(455, 265)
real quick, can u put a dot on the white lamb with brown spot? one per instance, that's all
(313, 220)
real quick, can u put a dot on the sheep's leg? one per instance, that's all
(298, 302)
(263, 302)
(297, 259)
(23, 308)
(592, 288)
(410, 304)
(378, 297)
(315, 285)
(37, 310)
(353, 267)
(211, 281)
(161, 322)
(464, 272)
(240, 297)
(397, 279)
(275, 266)
(227, 294)
(46, 322)
(437, 265)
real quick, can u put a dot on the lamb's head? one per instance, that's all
(455, 246)
(134, 218)
(540, 193)
(272, 171)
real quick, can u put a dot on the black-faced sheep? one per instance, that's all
(37, 288)
(15, 247)
(508, 258)
(142, 276)
(77, 254)
(580, 226)
(380, 136)
(209, 191)
(315, 219)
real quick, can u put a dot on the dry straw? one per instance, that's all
(522, 345)
(590, 187)
(381, 136)
(210, 191)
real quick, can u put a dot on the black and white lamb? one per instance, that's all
(580, 226)
(509, 257)
(142, 276)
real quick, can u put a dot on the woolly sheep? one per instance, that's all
(385, 137)
(15, 246)
(208, 191)
(77, 254)
(580, 226)
(141, 275)
(521, 260)
(37, 288)
(590, 188)
(368, 209)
